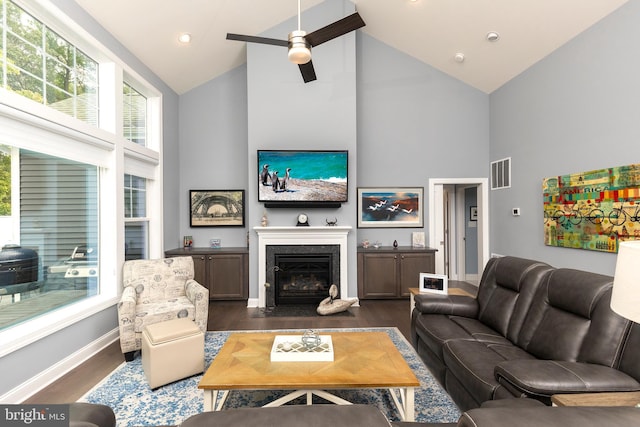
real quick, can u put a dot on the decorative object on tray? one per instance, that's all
(215, 243)
(331, 305)
(187, 241)
(311, 339)
(310, 347)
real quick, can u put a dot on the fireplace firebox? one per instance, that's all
(302, 279)
(301, 274)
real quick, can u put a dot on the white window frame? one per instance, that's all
(34, 126)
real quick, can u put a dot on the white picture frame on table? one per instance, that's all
(434, 283)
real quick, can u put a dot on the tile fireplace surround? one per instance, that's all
(268, 236)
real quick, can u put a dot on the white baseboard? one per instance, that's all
(48, 376)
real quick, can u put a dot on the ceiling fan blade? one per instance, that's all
(337, 29)
(256, 39)
(308, 72)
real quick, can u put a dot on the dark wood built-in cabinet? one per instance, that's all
(389, 273)
(224, 271)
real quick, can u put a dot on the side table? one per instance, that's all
(416, 291)
(625, 398)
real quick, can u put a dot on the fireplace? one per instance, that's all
(299, 240)
(301, 274)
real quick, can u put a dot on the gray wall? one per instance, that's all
(576, 110)
(213, 152)
(29, 361)
(414, 123)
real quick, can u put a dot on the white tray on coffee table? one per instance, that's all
(289, 348)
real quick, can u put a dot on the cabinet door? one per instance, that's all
(200, 270)
(227, 274)
(411, 265)
(379, 275)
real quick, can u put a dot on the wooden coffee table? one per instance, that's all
(362, 360)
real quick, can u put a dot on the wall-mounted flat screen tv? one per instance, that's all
(295, 178)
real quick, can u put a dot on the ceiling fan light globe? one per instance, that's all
(299, 54)
(299, 49)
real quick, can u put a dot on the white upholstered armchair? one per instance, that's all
(155, 291)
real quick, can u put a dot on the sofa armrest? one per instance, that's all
(548, 377)
(126, 319)
(550, 417)
(199, 297)
(453, 305)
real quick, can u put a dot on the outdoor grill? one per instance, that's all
(18, 269)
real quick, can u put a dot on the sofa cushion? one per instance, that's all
(473, 364)
(571, 320)
(158, 278)
(506, 291)
(176, 308)
(547, 377)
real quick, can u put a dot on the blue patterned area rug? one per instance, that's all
(135, 404)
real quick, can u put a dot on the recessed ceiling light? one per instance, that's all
(492, 36)
(184, 38)
(459, 57)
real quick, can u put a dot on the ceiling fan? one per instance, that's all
(300, 43)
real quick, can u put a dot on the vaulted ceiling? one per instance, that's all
(432, 31)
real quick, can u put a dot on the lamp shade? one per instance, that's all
(625, 299)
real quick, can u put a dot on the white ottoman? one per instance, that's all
(171, 351)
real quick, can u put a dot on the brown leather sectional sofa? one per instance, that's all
(370, 416)
(533, 331)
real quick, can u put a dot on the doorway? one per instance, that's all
(451, 217)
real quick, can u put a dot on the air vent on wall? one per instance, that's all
(501, 174)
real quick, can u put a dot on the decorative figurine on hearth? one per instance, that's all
(332, 304)
(264, 221)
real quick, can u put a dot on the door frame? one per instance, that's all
(435, 212)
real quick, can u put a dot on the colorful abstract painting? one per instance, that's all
(593, 210)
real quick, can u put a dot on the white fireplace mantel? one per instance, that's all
(283, 235)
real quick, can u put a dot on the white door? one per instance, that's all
(443, 224)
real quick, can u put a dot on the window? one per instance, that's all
(40, 65)
(135, 115)
(61, 186)
(56, 260)
(136, 224)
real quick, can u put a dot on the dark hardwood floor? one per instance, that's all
(235, 316)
